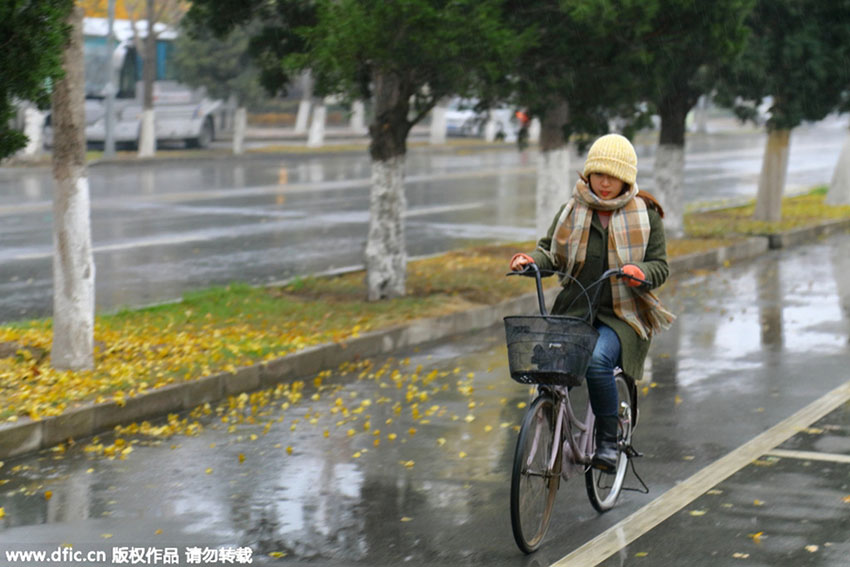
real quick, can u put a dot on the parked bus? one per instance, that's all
(181, 112)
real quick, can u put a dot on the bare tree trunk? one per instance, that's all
(774, 169)
(73, 264)
(386, 254)
(147, 134)
(839, 189)
(553, 167)
(239, 125)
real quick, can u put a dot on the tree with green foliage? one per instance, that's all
(405, 55)
(798, 54)
(33, 34)
(576, 73)
(688, 42)
(224, 67)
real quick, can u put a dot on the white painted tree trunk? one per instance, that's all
(774, 169)
(534, 131)
(239, 124)
(73, 274)
(438, 125)
(302, 119)
(386, 257)
(553, 186)
(669, 184)
(73, 263)
(316, 137)
(33, 128)
(490, 130)
(358, 117)
(839, 189)
(147, 134)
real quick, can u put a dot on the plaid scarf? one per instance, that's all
(628, 236)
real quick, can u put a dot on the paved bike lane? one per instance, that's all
(782, 496)
(789, 505)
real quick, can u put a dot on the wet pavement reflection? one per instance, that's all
(165, 228)
(407, 459)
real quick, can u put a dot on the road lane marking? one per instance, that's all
(810, 456)
(99, 202)
(631, 528)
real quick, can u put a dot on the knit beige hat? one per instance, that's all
(612, 154)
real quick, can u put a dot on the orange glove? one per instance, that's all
(520, 261)
(634, 271)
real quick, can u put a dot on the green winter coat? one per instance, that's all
(654, 266)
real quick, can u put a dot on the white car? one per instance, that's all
(463, 120)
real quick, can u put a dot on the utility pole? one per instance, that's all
(109, 141)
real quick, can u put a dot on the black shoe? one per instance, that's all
(606, 455)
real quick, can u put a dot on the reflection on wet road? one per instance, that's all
(162, 229)
(407, 460)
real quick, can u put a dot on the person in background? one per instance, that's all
(609, 223)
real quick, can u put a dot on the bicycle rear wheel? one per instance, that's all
(533, 484)
(603, 489)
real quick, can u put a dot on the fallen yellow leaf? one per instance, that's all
(48, 494)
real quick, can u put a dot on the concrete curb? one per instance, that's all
(87, 420)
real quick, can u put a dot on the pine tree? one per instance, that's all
(30, 60)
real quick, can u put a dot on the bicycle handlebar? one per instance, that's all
(532, 270)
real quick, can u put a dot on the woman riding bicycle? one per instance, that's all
(609, 223)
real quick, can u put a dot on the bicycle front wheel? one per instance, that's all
(603, 488)
(533, 483)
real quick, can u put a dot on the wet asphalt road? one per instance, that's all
(165, 228)
(406, 460)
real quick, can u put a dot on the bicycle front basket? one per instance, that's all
(551, 350)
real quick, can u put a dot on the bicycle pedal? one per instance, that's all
(633, 453)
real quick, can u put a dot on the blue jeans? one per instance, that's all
(600, 373)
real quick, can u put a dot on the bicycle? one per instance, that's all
(553, 352)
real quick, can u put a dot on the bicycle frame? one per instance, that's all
(581, 449)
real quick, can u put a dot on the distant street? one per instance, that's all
(406, 461)
(163, 228)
